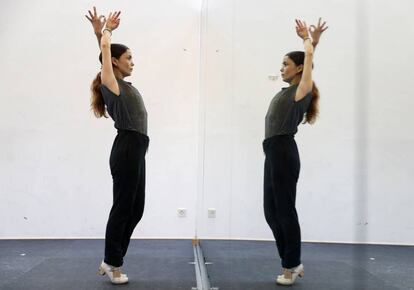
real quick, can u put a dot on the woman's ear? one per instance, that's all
(300, 68)
(114, 62)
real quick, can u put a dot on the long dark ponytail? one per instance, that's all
(298, 57)
(97, 101)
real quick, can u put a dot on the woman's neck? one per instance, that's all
(295, 81)
(118, 74)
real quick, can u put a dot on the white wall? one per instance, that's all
(55, 179)
(206, 108)
(390, 155)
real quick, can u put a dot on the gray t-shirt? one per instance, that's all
(128, 109)
(284, 114)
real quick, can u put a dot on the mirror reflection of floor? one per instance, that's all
(252, 265)
(236, 265)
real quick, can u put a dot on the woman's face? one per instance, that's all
(289, 69)
(124, 64)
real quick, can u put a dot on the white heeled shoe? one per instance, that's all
(290, 275)
(283, 271)
(114, 273)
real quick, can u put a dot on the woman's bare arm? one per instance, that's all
(107, 74)
(306, 83)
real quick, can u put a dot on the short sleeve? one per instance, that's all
(304, 102)
(108, 94)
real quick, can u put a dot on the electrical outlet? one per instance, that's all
(273, 77)
(211, 213)
(181, 212)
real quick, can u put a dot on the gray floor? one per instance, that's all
(237, 265)
(73, 264)
(249, 265)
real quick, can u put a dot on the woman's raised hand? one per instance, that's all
(316, 31)
(301, 29)
(97, 22)
(113, 20)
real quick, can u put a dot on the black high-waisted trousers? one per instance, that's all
(281, 173)
(127, 163)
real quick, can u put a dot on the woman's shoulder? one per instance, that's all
(124, 82)
(287, 92)
(107, 93)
